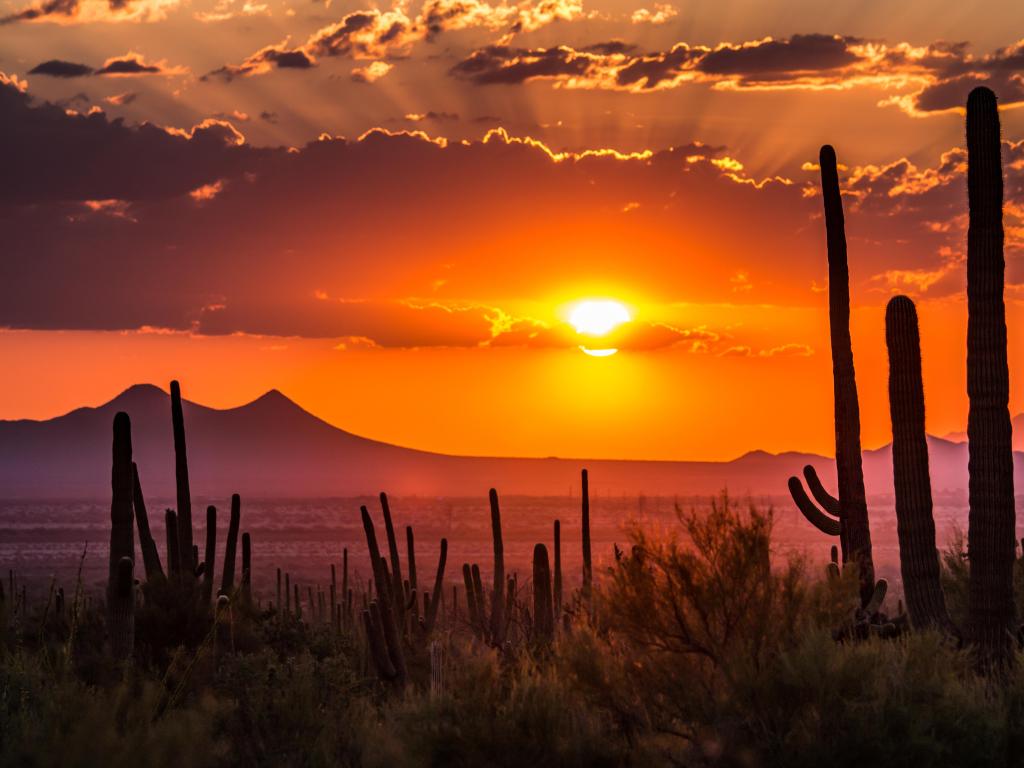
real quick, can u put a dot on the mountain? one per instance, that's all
(271, 447)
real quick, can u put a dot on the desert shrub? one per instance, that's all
(49, 719)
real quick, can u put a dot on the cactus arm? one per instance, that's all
(827, 525)
(877, 597)
(150, 555)
(397, 583)
(828, 502)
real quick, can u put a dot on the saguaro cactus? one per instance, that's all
(120, 582)
(185, 552)
(150, 556)
(990, 542)
(919, 562)
(498, 590)
(435, 598)
(558, 569)
(853, 510)
(227, 582)
(210, 553)
(543, 618)
(122, 484)
(588, 570)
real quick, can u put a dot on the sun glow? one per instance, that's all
(598, 318)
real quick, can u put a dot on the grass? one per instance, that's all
(696, 652)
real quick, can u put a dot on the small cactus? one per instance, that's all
(227, 582)
(543, 617)
(185, 550)
(497, 627)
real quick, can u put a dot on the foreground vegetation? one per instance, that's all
(693, 651)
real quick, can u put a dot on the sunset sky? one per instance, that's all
(389, 212)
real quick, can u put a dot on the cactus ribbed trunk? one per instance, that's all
(185, 552)
(543, 619)
(991, 544)
(915, 526)
(227, 582)
(210, 553)
(120, 601)
(588, 571)
(853, 504)
(150, 555)
(498, 590)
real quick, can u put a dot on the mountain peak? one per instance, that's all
(138, 394)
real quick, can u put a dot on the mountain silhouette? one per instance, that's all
(272, 448)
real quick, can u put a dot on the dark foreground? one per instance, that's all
(690, 650)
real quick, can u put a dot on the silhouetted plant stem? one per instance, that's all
(185, 552)
(150, 555)
(227, 582)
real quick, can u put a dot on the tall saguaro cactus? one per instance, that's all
(991, 536)
(120, 593)
(915, 526)
(185, 552)
(498, 591)
(588, 569)
(851, 509)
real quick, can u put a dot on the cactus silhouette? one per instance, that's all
(247, 569)
(227, 581)
(853, 527)
(150, 555)
(543, 618)
(435, 598)
(121, 598)
(991, 539)
(588, 569)
(209, 553)
(915, 526)
(558, 570)
(498, 591)
(187, 562)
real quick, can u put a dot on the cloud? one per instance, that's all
(661, 14)
(385, 35)
(925, 79)
(371, 72)
(90, 11)
(197, 231)
(431, 116)
(122, 99)
(58, 68)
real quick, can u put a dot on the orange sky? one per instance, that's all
(386, 211)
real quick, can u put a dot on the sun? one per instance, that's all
(598, 318)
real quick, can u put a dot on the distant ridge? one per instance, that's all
(271, 447)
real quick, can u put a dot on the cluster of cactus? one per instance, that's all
(992, 622)
(393, 620)
(184, 566)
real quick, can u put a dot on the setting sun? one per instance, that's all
(598, 318)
